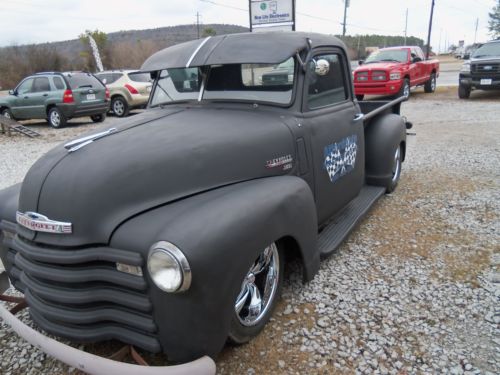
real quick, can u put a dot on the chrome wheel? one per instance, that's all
(259, 287)
(396, 167)
(55, 119)
(6, 113)
(433, 83)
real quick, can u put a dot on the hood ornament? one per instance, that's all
(84, 141)
(40, 223)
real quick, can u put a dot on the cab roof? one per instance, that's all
(243, 48)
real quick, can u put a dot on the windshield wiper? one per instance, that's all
(371, 62)
(390, 60)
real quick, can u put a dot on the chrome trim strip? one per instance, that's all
(94, 364)
(196, 51)
(81, 142)
(40, 223)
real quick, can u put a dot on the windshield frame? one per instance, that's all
(206, 69)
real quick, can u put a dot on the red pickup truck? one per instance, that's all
(392, 71)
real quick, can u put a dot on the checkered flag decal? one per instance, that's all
(340, 157)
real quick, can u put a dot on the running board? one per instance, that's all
(339, 227)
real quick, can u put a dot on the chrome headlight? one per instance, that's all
(168, 267)
(465, 67)
(395, 76)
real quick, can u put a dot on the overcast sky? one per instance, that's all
(36, 21)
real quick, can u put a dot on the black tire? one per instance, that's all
(397, 164)
(119, 106)
(404, 91)
(98, 118)
(240, 332)
(7, 113)
(360, 97)
(56, 118)
(463, 92)
(430, 85)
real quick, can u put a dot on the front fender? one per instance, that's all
(382, 135)
(220, 232)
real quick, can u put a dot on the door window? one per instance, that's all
(25, 87)
(41, 84)
(327, 83)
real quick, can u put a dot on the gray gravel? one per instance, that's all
(415, 289)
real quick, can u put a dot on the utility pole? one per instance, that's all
(440, 35)
(406, 25)
(198, 24)
(475, 34)
(429, 34)
(346, 5)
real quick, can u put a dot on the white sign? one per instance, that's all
(272, 12)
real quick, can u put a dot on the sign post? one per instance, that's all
(268, 15)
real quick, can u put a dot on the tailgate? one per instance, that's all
(87, 89)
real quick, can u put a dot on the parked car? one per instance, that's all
(179, 222)
(482, 71)
(128, 89)
(393, 71)
(57, 97)
(281, 74)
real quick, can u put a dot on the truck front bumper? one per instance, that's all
(476, 82)
(379, 88)
(94, 364)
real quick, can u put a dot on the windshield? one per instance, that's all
(396, 55)
(487, 50)
(268, 83)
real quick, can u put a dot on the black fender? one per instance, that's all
(9, 200)
(221, 232)
(382, 135)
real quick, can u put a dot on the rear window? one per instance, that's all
(58, 83)
(77, 80)
(140, 77)
(109, 77)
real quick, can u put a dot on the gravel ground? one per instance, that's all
(415, 289)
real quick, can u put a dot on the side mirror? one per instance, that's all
(361, 62)
(12, 92)
(321, 67)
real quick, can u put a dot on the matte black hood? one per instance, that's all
(153, 159)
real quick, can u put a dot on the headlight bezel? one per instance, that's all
(465, 67)
(170, 250)
(395, 76)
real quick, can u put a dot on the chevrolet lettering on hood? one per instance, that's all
(41, 223)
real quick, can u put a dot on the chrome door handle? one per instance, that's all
(358, 117)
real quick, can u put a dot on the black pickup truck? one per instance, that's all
(171, 231)
(482, 71)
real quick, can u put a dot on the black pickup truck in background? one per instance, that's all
(171, 231)
(482, 71)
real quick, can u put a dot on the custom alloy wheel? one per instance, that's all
(6, 113)
(56, 118)
(396, 171)
(119, 107)
(430, 85)
(405, 89)
(258, 295)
